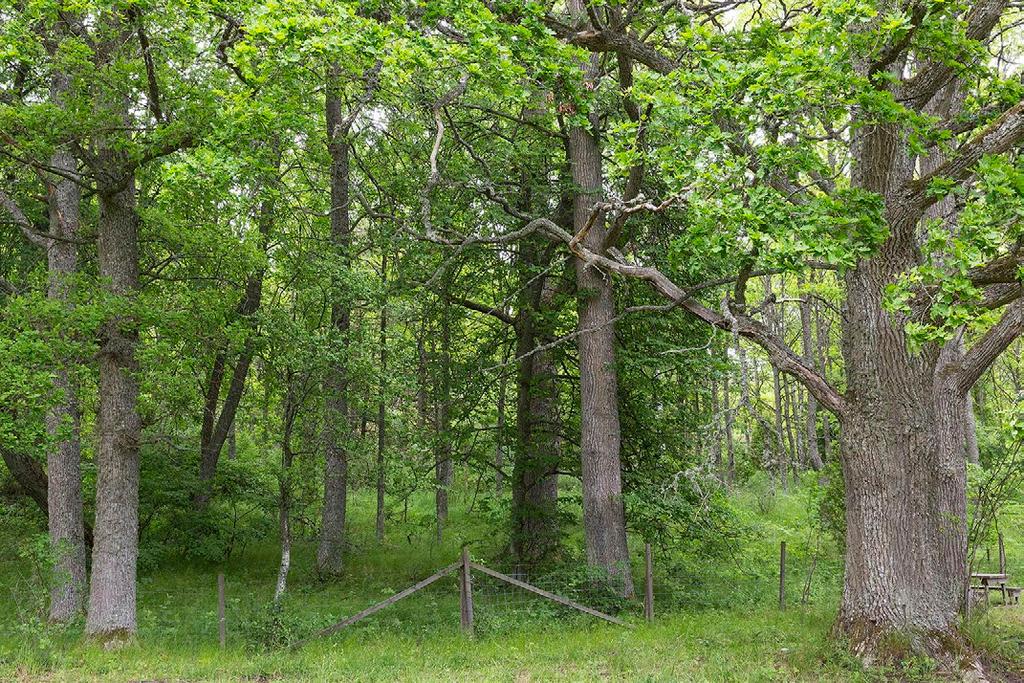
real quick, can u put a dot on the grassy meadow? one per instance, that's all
(717, 617)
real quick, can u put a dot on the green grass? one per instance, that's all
(717, 618)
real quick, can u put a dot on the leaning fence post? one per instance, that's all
(221, 623)
(466, 594)
(782, 575)
(649, 584)
(1002, 555)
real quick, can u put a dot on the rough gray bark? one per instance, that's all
(332, 531)
(61, 498)
(63, 458)
(111, 614)
(902, 439)
(604, 517)
(905, 479)
(903, 442)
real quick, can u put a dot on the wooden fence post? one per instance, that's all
(466, 594)
(221, 623)
(649, 584)
(1002, 555)
(782, 575)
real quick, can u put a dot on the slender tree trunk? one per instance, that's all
(111, 614)
(421, 379)
(789, 414)
(332, 532)
(717, 418)
(741, 358)
(811, 424)
(730, 418)
(781, 456)
(603, 512)
(499, 435)
(285, 487)
(218, 427)
(382, 402)
(443, 466)
(823, 342)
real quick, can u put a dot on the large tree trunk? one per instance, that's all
(63, 460)
(332, 531)
(115, 549)
(903, 465)
(901, 444)
(604, 519)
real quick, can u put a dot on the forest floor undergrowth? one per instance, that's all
(717, 615)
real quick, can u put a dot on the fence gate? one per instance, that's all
(465, 569)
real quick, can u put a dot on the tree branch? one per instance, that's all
(997, 137)
(735, 321)
(153, 92)
(486, 310)
(1004, 269)
(22, 221)
(611, 40)
(984, 352)
(892, 52)
(980, 21)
